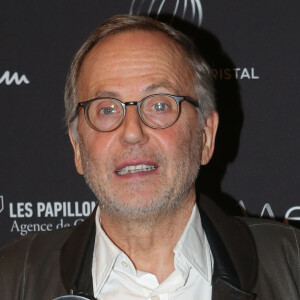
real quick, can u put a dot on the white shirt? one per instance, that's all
(115, 277)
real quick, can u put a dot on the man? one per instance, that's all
(142, 120)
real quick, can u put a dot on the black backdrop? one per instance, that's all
(254, 49)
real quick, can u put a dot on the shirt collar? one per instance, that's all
(104, 257)
(192, 249)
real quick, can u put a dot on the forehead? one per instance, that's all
(140, 59)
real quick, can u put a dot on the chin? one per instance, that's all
(134, 208)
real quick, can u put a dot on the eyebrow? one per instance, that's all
(171, 88)
(104, 93)
(162, 84)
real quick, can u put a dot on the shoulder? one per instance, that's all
(40, 242)
(277, 248)
(272, 230)
(29, 260)
(34, 247)
(268, 233)
(34, 250)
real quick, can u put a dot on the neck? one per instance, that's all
(150, 247)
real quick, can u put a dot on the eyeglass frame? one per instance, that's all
(178, 100)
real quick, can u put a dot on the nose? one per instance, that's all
(133, 128)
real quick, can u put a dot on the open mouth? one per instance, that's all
(135, 169)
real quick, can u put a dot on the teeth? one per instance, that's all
(135, 169)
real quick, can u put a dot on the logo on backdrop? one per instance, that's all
(29, 217)
(235, 73)
(292, 214)
(7, 78)
(179, 8)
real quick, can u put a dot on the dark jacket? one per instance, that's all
(253, 259)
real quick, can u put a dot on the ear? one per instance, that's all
(77, 154)
(209, 135)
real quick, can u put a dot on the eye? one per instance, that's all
(109, 110)
(160, 106)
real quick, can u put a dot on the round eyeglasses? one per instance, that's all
(157, 111)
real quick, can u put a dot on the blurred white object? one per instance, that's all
(180, 8)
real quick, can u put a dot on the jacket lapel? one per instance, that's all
(234, 252)
(76, 259)
(223, 290)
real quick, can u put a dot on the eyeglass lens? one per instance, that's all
(159, 111)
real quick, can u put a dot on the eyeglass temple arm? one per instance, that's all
(192, 101)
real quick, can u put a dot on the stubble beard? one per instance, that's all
(167, 198)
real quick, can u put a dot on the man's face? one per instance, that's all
(130, 66)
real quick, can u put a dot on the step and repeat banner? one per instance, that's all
(254, 49)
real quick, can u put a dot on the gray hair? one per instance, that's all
(203, 82)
